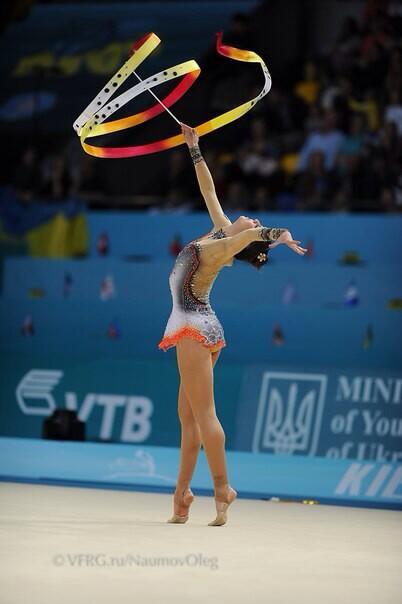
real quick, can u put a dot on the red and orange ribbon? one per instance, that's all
(91, 121)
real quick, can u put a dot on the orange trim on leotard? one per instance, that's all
(171, 340)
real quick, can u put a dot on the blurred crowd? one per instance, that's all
(331, 140)
(53, 176)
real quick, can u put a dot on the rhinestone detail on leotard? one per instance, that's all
(192, 315)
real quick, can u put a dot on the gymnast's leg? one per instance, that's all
(190, 436)
(190, 441)
(196, 373)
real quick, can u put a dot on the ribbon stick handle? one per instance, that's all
(159, 101)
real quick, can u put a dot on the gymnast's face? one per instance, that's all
(244, 222)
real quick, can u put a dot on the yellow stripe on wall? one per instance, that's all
(60, 237)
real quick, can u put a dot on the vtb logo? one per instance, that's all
(37, 385)
(35, 397)
(289, 413)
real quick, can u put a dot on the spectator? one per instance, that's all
(387, 200)
(349, 36)
(368, 107)
(393, 111)
(389, 143)
(236, 196)
(262, 200)
(257, 153)
(314, 186)
(354, 139)
(308, 88)
(57, 180)
(327, 139)
(336, 96)
(363, 186)
(313, 119)
(285, 112)
(369, 70)
(26, 179)
(87, 182)
(394, 74)
(376, 35)
(216, 166)
(180, 181)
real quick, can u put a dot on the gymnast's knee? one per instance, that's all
(187, 419)
(208, 420)
(191, 432)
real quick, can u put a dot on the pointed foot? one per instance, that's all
(185, 501)
(175, 519)
(222, 508)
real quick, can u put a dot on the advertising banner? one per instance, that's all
(336, 413)
(333, 412)
(124, 400)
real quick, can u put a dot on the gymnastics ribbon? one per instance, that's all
(90, 122)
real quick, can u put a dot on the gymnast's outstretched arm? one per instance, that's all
(224, 249)
(205, 180)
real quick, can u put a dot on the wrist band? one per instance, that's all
(196, 154)
(264, 234)
(276, 232)
(90, 122)
(270, 234)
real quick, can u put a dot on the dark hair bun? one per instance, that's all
(256, 253)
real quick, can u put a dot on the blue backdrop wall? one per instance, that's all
(332, 389)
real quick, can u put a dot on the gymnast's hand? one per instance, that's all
(190, 135)
(288, 240)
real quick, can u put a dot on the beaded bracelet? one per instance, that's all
(196, 154)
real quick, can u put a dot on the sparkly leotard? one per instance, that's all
(190, 286)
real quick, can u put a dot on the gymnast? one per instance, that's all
(198, 335)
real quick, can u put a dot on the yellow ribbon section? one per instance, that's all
(90, 124)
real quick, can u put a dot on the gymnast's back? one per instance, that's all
(193, 273)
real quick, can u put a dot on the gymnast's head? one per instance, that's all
(242, 223)
(256, 253)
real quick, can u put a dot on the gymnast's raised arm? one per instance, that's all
(204, 178)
